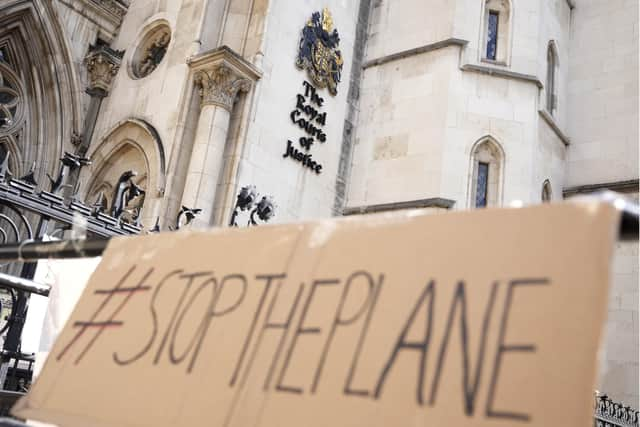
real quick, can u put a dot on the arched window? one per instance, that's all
(11, 102)
(552, 65)
(546, 192)
(487, 163)
(496, 26)
(131, 146)
(40, 96)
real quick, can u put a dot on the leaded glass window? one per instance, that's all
(492, 34)
(482, 184)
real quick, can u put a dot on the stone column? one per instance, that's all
(219, 76)
(102, 64)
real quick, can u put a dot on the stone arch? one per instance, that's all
(38, 57)
(130, 145)
(487, 162)
(127, 155)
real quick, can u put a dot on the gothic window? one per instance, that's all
(546, 191)
(487, 163)
(9, 102)
(496, 31)
(7, 56)
(481, 184)
(151, 51)
(492, 34)
(552, 64)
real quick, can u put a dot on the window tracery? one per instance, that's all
(10, 101)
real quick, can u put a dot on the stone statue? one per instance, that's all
(128, 199)
(154, 54)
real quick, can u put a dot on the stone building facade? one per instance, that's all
(330, 108)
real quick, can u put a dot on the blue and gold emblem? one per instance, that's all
(318, 52)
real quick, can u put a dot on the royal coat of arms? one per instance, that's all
(318, 52)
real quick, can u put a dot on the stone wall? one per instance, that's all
(428, 96)
(603, 127)
(162, 99)
(619, 377)
(619, 365)
(603, 92)
(298, 192)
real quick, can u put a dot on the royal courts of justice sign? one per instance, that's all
(488, 318)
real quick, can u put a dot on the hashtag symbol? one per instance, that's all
(100, 326)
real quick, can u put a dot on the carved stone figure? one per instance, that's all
(185, 216)
(102, 64)
(128, 199)
(134, 199)
(153, 54)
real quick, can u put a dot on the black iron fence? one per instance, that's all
(30, 214)
(608, 413)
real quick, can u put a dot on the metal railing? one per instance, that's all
(607, 413)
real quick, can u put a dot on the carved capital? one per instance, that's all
(220, 74)
(220, 85)
(102, 64)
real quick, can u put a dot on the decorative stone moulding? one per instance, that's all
(106, 14)
(11, 101)
(115, 8)
(220, 74)
(220, 85)
(102, 64)
(151, 51)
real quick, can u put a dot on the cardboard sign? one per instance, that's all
(486, 318)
